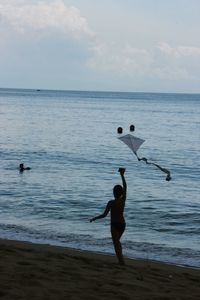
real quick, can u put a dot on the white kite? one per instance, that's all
(134, 144)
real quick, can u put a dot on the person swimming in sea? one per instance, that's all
(116, 207)
(22, 168)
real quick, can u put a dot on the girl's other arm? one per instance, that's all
(106, 211)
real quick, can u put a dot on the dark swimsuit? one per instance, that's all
(118, 226)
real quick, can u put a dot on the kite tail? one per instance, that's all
(168, 178)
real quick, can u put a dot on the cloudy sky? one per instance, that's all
(116, 45)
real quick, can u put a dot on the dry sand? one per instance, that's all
(29, 271)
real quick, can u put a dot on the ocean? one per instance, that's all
(69, 139)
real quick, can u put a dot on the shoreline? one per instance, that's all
(40, 271)
(101, 252)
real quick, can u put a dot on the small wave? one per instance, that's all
(132, 249)
(183, 215)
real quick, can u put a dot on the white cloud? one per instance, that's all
(161, 61)
(179, 51)
(179, 62)
(126, 60)
(43, 16)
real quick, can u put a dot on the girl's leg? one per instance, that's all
(116, 235)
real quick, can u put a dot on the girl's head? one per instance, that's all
(117, 191)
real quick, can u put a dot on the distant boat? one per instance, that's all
(38, 90)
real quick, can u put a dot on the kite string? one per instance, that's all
(168, 178)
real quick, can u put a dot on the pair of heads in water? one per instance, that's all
(120, 129)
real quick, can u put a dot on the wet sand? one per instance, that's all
(31, 271)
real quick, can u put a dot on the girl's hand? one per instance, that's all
(121, 171)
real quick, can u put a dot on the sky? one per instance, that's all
(104, 45)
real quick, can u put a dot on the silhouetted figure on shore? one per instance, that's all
(22, 168)
(116, 207)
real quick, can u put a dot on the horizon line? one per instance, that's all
(95, 91)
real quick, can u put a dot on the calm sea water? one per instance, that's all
(69, 140)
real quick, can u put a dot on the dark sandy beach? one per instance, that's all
(32, 271)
